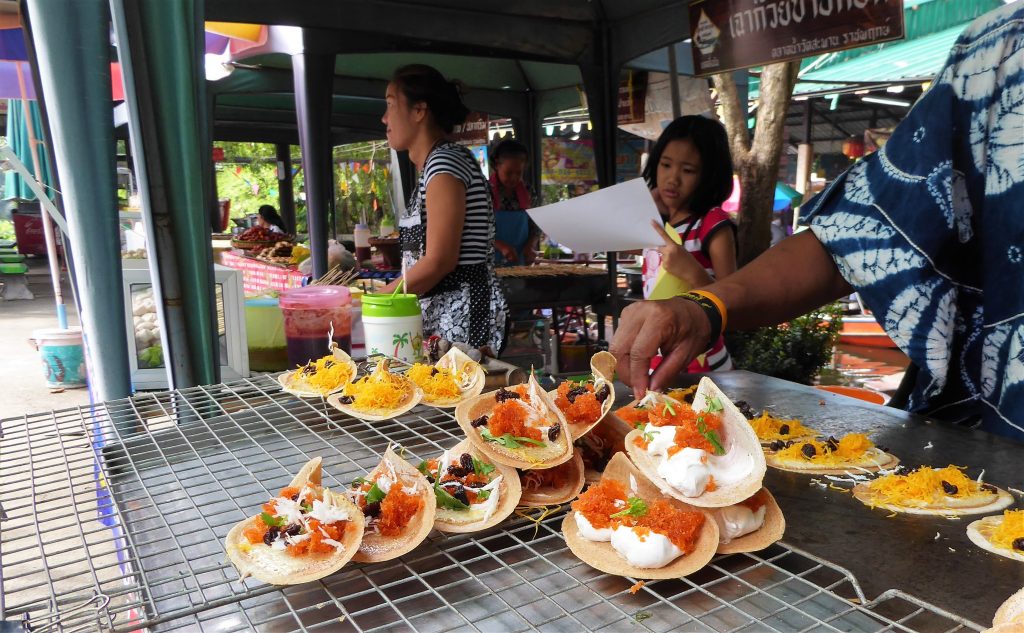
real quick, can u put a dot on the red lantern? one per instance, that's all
(853, 147)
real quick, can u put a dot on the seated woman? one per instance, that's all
(270, 219)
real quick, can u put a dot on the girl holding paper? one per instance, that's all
(689, 171)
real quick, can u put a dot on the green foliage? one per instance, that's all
(793, 351)
(248, 177)
(6, 230)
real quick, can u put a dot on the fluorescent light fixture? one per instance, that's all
(576, 127)
(549, 129)
(894, 89)
(861, 92)
(886, 101)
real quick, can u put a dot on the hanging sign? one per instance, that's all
(632, 98)
(732, 34)
(472, 132)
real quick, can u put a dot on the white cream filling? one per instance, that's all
(686, 471)
(653, 550)
(738, 520)
(662, 439)
(591, 533)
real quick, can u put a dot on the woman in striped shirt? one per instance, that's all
(447, 231)
(689, 171)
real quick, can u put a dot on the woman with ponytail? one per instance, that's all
(447, 231)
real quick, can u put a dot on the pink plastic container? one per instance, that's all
(308, 315)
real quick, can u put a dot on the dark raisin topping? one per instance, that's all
(458, 471)
(832, 443)
(1018, 544)
(434, 371)
(575, 392)
(783, 429)
(777, 445)
(456, 490)
(430, 478)
(466, 460)
(328, 363)
(901, 470)
(743, 406)
(553, 433)
(308, 369)
(293, 529)
(989, 488)
(808, 450)
(346, 399)
(295, 497)
(505, 394)
(482, 420)
(371, 509)
(949, 488)
(602, 393)
(790, 443)
(271, 534)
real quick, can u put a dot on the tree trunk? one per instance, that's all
(757, 160)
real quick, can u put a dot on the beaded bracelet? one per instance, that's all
(713, 308)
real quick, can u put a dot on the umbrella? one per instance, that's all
(785, 196)
(20, 140)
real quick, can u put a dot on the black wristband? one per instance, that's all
(710, 311)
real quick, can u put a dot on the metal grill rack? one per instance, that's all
(131, 500)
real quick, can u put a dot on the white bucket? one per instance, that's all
(400, 336)
(62, 355)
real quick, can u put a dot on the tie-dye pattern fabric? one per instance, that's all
(930, 229)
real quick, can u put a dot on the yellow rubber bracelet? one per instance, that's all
(715, 300)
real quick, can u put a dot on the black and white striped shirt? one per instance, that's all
(478, 230)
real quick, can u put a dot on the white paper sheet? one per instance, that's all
(616, 218)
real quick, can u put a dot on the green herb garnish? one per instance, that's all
(446, 500)
(358, 481)
(375, 494)
(639, 425)
(272, 520)
(483, 495)
(714, 405)
(710, 435)
(306, 507)
(641, 616)
(635, 507)
(508, 440)
(423, 469)
(669, 409)
(482, 468)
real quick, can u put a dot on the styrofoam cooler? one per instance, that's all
(393, 326)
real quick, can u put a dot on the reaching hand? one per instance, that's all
(677, 327)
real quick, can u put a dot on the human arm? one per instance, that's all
(446, 215)
(679, 262)
(786, 281)
(506, 250)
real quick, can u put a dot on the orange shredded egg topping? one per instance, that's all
(632, 415)
(923, 486)
(317, 531)
(754, 502)
(680, 526)
(397, 508)
(1010, 529)
(584, 409)
(436, 383)
(850, 448)
(597, 504)
(509, 417)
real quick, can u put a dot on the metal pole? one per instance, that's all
(673, 81)
(286, 185)
(72, 43)
(313, 86)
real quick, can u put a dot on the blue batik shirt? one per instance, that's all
(930, 230)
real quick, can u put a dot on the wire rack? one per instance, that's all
(124, 507)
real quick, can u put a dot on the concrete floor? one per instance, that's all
(21, 372)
